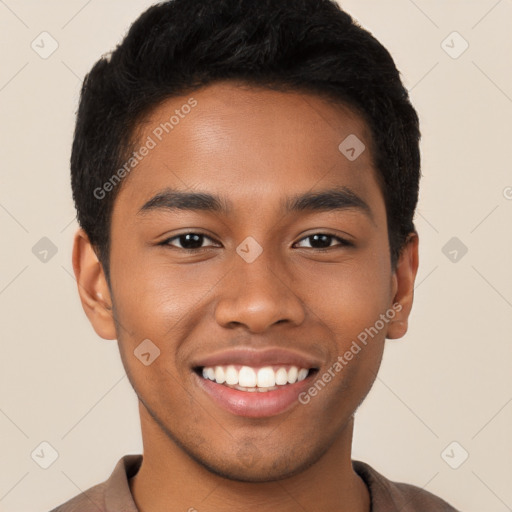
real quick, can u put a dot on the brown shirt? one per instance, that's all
(114, 495)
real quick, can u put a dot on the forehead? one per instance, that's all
(250, 144)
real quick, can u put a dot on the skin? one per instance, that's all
(254, 147)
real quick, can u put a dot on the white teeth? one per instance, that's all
(250, 379)
(219, 374)
(303, 373)
(292, 374)
(281, 377)
(247, 377)
(231, 375)
(266, 377)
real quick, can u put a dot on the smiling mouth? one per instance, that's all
(254, 379)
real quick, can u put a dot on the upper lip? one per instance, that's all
(253, 357)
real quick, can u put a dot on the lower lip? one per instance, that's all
(254, 404)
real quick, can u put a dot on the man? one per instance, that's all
(245, 176)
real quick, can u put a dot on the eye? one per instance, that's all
(323, 241)
(188, 241)
(192, 241)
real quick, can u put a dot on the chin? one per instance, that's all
(253, 467)
(260, 474)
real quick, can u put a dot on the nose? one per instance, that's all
(258, 295)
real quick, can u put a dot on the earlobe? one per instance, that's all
(403, 284)
(92, 287)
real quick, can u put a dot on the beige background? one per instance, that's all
(448, 380)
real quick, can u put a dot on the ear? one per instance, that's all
(92, 287)
(403, 286)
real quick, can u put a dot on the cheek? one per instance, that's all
(350, 303)
(351, 296)
(150, 292)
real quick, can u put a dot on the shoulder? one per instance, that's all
(388, 495)
(92, 499)
(112, 495)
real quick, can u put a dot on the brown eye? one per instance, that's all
(187, 241)
(324, 240)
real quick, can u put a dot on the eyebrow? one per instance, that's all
(339, 198)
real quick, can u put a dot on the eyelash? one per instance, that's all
(342, 241)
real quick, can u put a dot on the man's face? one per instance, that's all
(252, 278)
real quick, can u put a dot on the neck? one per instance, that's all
(169, 480)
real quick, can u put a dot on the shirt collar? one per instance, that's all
(383, 495)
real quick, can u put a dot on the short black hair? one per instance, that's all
(178, 46)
